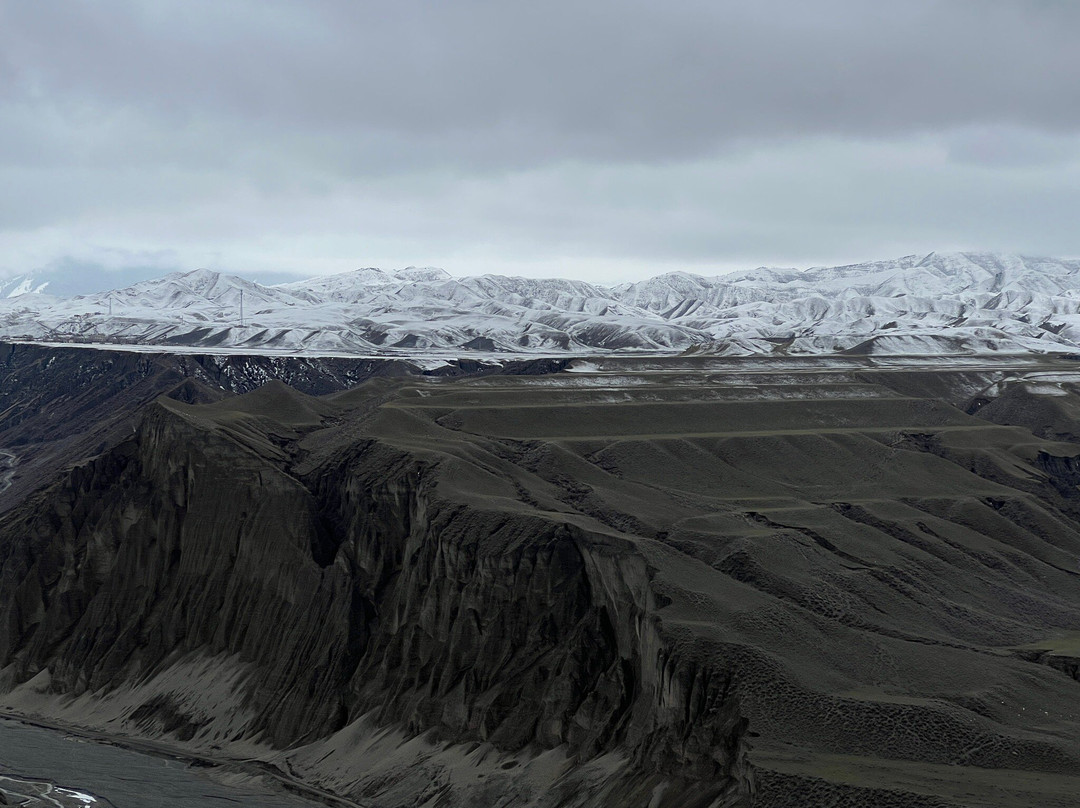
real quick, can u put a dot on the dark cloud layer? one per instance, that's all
(118, 117)
(568, 79)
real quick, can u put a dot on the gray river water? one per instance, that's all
(126, 779)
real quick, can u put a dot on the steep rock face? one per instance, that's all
(517, 629)
(355, 589)
(167, 545)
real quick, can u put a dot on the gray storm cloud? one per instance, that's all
(489, 132)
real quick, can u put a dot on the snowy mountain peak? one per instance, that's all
(939, 302)
(210, 282)
(418, 274)
(22, 285)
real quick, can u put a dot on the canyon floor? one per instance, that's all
(633, 582)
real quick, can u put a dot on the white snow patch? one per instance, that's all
(82, 797)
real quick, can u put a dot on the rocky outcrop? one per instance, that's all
(353, 589)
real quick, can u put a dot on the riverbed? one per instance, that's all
(124, 778)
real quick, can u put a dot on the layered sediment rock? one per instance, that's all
(664, 589)
(352, 589)
(59, 405)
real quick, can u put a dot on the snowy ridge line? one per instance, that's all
(952, 304)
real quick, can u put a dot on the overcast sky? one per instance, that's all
(601, 139)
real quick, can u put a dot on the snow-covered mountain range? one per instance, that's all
(942, 303)
(21, 285)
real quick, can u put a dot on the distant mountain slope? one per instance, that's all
(22, 285)
(942, 303)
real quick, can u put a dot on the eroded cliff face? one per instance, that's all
(662, 588)
(352, 588)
